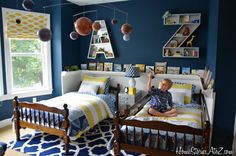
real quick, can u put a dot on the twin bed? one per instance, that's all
(73, 113)
(188, 133)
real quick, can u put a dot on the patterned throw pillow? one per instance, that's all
(88, 88)
(100, 81)
(185, 88)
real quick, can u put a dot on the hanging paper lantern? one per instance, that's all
(18, 21)
(113, 21)
(126, 37)
(126, 28)
(45, 34)
(83, 26)
(28, 4)
(96, 26)
(74, 35)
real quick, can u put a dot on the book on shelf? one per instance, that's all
(141, 67)
(185, 70)
(160, 67)
(199, 72)
(117, 67)
(173, 70)
(149, 69)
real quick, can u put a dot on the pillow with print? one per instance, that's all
(88, 88)
(185, 88)
(100, 81)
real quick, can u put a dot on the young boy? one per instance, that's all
(161, 101)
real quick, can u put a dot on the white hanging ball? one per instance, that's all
(126, 37)
(74, 35)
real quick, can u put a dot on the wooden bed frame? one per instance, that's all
(157, 125)
(49, 119)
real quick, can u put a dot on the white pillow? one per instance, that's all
(88, 88)
(183, 87)
(178, 97)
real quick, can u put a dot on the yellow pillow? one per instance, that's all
(185, 88)
(100, 81)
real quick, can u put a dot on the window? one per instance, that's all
(28, 60)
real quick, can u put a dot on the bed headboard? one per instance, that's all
(72, 79)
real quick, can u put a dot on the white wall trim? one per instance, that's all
(5, 123)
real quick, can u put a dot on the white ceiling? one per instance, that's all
(91, 2)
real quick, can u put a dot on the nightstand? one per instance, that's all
(127, 100)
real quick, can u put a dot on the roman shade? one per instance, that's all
(30, 23)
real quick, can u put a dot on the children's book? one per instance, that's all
(173, 70)
(117, 67)
(160, 67)
(108, 66)
(185, 70)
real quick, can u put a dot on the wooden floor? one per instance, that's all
(7, 135)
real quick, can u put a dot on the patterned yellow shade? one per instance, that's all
(31, 23)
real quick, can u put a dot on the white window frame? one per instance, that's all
(46, 67)
(1, 75)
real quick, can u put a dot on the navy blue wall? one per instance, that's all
(212, 35)
(225, 77)
(149, 34)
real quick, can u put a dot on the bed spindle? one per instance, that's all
(193, 143)
(59, 121)
(166, 140)
(158, 139)
(175, 141)
(141, 137)
(26, 115)
(44, 119)
(35, 117)
(126, 134)
(30, 114)
(184, 141)
(49, 121)
(39, 118)
(134, 136)
(149, 137)
(21, 113)
(53, 120)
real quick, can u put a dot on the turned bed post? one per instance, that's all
(16, 117)
(206, 135)
(66, 126)
(116, 134)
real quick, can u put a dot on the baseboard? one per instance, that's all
(5, 123)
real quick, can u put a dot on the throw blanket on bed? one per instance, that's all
(85, 111)
(188, 115)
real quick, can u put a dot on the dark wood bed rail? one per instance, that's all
(41, 117)
(122, 143)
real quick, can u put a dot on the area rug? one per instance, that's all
(92, 143)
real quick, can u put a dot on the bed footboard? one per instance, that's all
(40, 117)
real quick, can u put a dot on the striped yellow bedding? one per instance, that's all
(188, 116)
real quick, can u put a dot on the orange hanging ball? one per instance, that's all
(126, 29)
(96, 26)
(83, 26)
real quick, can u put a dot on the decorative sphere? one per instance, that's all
(96, 26)
(45, 34)
(83, 26)
(74, 35)
(126, 28)
(113, 21)
(28, 4)
(18, 21)
(126, 37)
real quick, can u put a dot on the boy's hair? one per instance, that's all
(169, 82)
